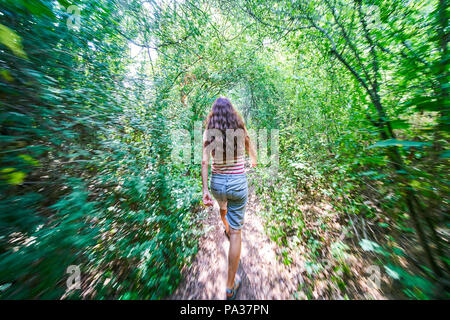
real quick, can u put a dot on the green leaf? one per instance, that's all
(6, 75)
(29, 159)
(12, 41)
(392, 273)
(11, 176)
(5, 286)
(368, 173)
(445, 154)
(400, 124)
(368, 245)
(398, 143)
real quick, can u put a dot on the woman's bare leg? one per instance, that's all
(223, 213)
(233, 256)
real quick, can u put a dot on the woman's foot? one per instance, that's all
(231, 293)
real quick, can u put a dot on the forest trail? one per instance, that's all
(263, 275)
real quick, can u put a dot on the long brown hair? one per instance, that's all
(224, 116)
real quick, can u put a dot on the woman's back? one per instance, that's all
(232, 166)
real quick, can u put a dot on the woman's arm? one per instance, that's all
(207, 201)
(250, 148)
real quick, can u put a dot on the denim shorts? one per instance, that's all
(232, 188)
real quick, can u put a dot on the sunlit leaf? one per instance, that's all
(12, 41)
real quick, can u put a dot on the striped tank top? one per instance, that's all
(232, 166)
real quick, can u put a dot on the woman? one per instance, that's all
(226, 139)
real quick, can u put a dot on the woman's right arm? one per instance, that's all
(207, 200)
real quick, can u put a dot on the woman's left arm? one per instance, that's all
(250, 148)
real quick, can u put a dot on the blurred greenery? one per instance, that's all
(358, 90)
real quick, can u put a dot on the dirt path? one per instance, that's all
(263, 275)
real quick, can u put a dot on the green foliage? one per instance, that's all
(80, 179)
(363, 126)
(357, 89)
